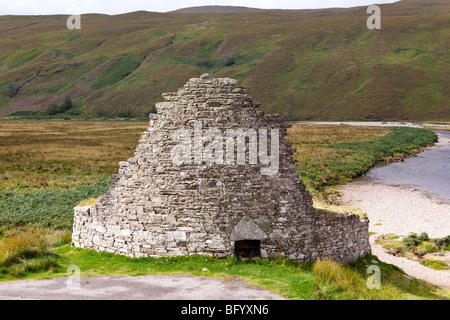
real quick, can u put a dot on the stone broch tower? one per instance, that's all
(157, 208)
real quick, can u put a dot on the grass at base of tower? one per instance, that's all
(43, 254)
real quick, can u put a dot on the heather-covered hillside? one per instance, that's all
(303, 64)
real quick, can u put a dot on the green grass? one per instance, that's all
(23, 58)
(400, 140)
(30, 251)
(47, 207)
(29, 262)
(74, 35)
(284, 277)
(435, 264)
(57, 53)
(324, 280)
(117, 71)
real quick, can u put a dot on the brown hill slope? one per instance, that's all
(303, 64)
(215, 9)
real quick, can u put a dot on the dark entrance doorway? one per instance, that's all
(247, 249)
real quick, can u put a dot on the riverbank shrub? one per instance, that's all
(413, 239)
(443, 243)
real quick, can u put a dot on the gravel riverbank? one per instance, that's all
(401, 210)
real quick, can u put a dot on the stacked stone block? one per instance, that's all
(157, 208)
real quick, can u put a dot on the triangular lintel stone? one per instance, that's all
(247, 229)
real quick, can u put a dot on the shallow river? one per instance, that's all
(429, 171)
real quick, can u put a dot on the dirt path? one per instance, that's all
(178, 287)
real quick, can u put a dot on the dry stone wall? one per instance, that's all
(156, 207)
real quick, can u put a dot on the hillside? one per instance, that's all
(302, 64)
(215, 9)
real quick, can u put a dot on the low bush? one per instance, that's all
(101, 112)
(203, 62)
(414, 240)
(443, 243)
(54, 109)
(348, 282)
(429, 247)
(151, 110)
(229, 61)
(125, 113)
(26, 252)
(11, 90)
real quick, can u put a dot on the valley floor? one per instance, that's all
(402, 211)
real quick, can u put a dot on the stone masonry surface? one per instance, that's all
(156, 208)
